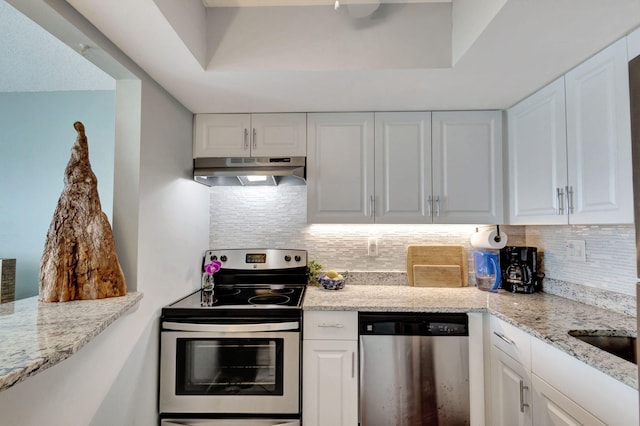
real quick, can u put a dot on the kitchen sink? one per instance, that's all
(616, 343)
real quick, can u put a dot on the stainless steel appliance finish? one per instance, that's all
(235, 171)
(414, 369)
(237, 355)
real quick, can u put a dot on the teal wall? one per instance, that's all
(36, 136)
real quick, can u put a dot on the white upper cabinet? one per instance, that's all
(467, 167)
(454, 178)
(575, 170)
(340, 178)
(402, 167)
(538, 157)
(599, 139)
(250, 135)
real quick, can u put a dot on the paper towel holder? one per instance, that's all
(498, 237)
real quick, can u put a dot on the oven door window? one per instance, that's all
(229, 366)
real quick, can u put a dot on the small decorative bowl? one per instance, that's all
(332, 284)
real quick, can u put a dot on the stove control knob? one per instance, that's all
(214, 257)
(287, 258)
(223, 258)
(297, 258)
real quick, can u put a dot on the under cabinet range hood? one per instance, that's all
(250, 171)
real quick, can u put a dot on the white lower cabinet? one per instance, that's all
(510, 390)
(533, 383)
(330, 369)
(551, 407)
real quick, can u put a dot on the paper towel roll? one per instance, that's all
(488, 239)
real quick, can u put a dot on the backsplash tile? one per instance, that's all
(610, 255)
(276, 217)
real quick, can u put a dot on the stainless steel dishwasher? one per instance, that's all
(414, 369)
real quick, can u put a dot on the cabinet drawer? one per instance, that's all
(511, 340)
(331, 325)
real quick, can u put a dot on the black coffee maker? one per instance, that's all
(519, 267)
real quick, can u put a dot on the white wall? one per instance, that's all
(470, 18)
(160, 226)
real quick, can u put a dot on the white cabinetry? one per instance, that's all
(511, 384)
(510, 375)
(599, 139)
(467, 167)
(538, 157)
(400, 175)
(330, 369)
(250, 135)
(535, 383)
(554, 408)
(340, 168)
(570, 147)
(403, 167)
(580, 394)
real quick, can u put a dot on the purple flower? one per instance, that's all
(213, 267)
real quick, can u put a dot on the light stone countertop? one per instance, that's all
(544, 316)
(35, 335)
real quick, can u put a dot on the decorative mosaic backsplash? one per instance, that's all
(276, 217)
(610, 255)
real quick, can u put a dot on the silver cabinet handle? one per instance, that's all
(570, 199)
(522, 403)
(246, 139)
(430, 205)
(255, 143)
(438, 206)
(560, 200)
(505, 338)
(372, 206)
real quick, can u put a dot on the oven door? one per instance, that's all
(230, 368)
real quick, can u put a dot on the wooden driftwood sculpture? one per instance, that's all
(79, 259)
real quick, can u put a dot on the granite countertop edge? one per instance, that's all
(35, 335)
(544, 316)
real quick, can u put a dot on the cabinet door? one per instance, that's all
(221, 135)
(467, 167)
(599, 139)
(550, 407)
(340, 168)
(538, 158)
(330, 383)
(402, 167)
(279, 135)
(510, 391)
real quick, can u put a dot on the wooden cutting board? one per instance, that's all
(437, 266)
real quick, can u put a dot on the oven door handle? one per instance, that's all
(231, 328)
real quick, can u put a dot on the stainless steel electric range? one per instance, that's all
(231, 354)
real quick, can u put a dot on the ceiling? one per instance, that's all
(396, 55)
(32, 60)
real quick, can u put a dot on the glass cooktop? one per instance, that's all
(244, 297)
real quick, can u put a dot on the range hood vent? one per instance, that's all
(250, 171)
